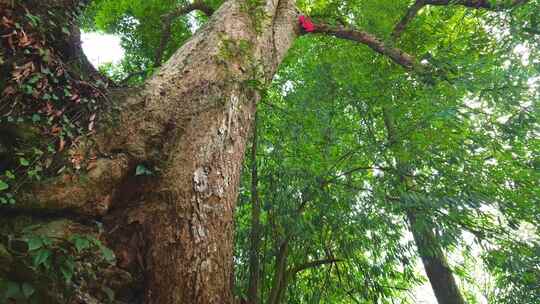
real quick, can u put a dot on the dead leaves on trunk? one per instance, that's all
(41, 91)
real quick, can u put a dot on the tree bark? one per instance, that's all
(189, 124)
(438, 272)
(192, 121)
(400, 57)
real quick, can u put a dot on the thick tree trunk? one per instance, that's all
(192, 122)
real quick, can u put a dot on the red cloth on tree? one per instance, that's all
(306, 24)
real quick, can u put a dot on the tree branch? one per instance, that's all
(412, 12)
(398, 56)
(409, 16)
(314, 264)
(168, 19)
(484, 4)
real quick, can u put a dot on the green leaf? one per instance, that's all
(9, 174)
(24, 162)
(3, 185)
(34, 79)
(36, 118)
(109, 292)
(81, 243)
(108, 254)
(27, 290)
(42, 258)
(13, 290)
(142, 170)
(67, 269)
(34, 243)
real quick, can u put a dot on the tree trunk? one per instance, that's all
(255, 246)
(438, 272)
(192, 122)
(279, 284)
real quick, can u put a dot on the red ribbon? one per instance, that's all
(306, 23)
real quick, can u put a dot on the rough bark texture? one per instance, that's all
(192, 121)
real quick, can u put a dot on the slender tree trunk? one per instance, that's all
(279, 284)
(254, 262)
(439, 274)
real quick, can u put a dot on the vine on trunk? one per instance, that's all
(46, 109)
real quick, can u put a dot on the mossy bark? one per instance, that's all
(192, 124)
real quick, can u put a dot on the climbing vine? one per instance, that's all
(46, 109)
(55, 268)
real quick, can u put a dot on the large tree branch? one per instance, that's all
(398, 56)
(168, 19)
(485, 4)
(412, 12)
(72, 194)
